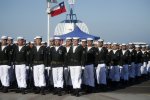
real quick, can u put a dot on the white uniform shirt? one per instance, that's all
(3, 47)
(38, 47)
(20, 47)
(74, 48)
(56, 47)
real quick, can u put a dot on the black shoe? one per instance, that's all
(77, 93)
(42, 91)
(59, 92)
(55, 91)
(37, 90)
(23, 91)
(5, 90)
(18, 90)
(73, 93)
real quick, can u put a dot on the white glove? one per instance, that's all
(50, 68)
(66, 68)
(27, 67)
(83, 67)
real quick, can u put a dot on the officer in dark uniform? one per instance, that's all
(57, 60)
(89, 70)
(5, 62)
(138, 62)
(144, 62)
(125, 61)
(115, 56)
(38, 62)
(101, 58)
(133, 53)
(75, 63)
(21, 61)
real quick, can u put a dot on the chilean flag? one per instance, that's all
(58, 9)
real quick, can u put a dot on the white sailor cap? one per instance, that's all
(32, 42)
(100, 40)
(147, 45)
(15, 42)
(90, 39)
(42, 42)
(20, 38)
(75, 38)
(4, 37)
(68, 38)
(10, 38)
(130, 43)
(51, 38)
(27, 42)
(83, 40)
(109, 43)
(105, 43)
(57, 38)
(143, 46)
(34, 38)
(137, 46)
(115, 43)
(38, 37)
(123, 44)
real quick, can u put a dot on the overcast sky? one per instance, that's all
(113, 20)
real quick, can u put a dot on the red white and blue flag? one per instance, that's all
(58, 9)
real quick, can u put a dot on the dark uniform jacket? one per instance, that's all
(57, 58)
(133, 54)
(101, 56)
(5, 56)
(20, 57)
(76, 58)
(38, 57)
(138, 57)
(145, 56)
(115, 58)
(125, 58)
(90, 55)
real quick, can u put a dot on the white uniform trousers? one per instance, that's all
(67, 77)
(58, 77)
(4, 75)
(39, 76)
(75, 73)
(20, 71)
(116, 73)
(138, 69)
(148, 67)
(101, 74)
(144, 68)
(89, 75)
(124, 72)
(132, 70)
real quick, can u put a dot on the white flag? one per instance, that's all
(71, 2)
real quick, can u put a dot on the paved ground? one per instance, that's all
(136, 92)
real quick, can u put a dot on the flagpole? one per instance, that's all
(48, 24)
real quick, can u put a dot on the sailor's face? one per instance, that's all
(100, 44)
(9, 41)
(4, 41)
(57, 42)
(89, 43)
(68, 42)
(38, 41)
(20, 42)
(123, 47)
(75, 42)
